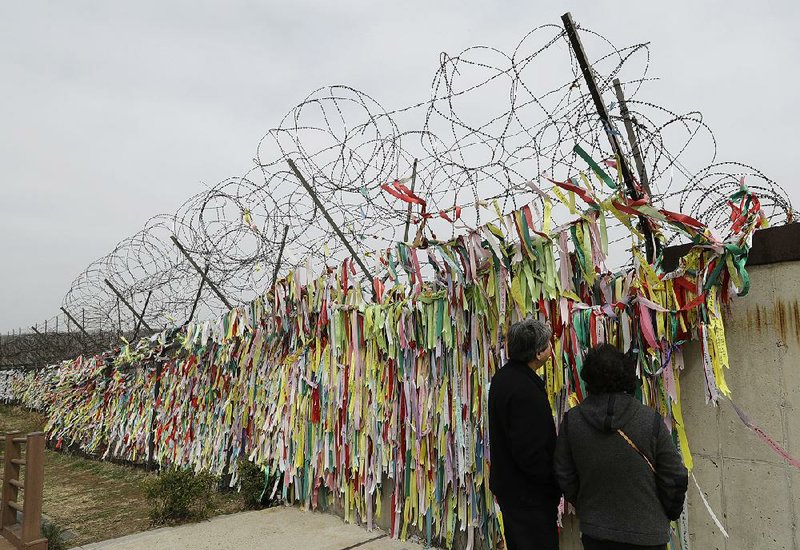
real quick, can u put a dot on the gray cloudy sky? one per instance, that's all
(112, 112)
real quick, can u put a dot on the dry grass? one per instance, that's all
(17, 418)
(93, 499)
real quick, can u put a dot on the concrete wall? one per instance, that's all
(755, 494)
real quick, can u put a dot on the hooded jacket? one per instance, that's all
(616, 494)
(522, 439)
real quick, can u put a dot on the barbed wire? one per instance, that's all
(493, 122)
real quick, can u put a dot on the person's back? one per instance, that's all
(531, 482)
(616, 462)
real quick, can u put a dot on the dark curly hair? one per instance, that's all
(608, 370)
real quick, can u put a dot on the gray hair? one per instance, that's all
(526, 339)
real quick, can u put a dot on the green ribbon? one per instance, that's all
(526, 236)
(595, 167)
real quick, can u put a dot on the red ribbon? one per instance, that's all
(443, 214)
(682, 218)
(580, 191)
(402, 192)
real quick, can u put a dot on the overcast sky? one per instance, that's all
(112, 112)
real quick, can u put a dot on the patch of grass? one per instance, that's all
(13, 418)
(228, 502)
(94, 503)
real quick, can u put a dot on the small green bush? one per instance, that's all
(180, 495)
(255, 487)
(54, 535)
(251, 484)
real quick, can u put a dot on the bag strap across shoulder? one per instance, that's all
(630, 442)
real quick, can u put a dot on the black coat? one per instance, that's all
(522, 439)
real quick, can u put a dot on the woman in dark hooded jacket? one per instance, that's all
(616, 462)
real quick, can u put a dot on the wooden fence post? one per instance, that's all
(34, 486)
(28, 534)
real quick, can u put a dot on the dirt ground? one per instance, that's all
(93, 500)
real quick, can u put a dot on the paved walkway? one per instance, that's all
(283, 527)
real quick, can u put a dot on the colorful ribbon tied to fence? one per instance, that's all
(375, 399)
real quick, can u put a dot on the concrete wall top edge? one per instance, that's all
(771, 245)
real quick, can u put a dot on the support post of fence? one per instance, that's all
(31, 348)
(333, 224)
(80, 327)
(280, 256)
(408, 213)
(199, 292)
(129, 306)
(634, 142)
(200, 271)
(141, 317)
(44, 339)
(586, 69)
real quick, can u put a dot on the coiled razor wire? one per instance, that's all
(493, 122)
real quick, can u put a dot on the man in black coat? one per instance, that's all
(522, 439)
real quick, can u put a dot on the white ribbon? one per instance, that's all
(708, 508)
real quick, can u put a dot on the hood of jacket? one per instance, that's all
(608, 412)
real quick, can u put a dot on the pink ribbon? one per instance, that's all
(764, 436)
